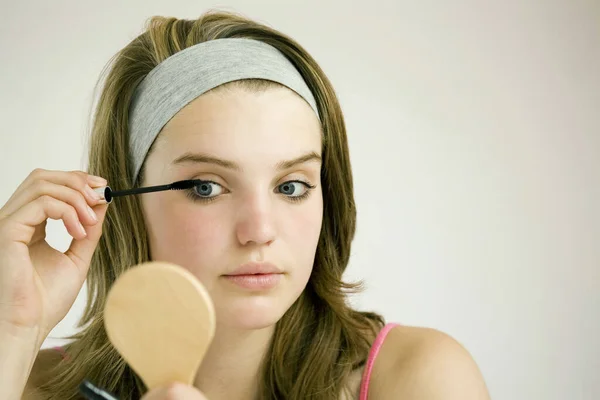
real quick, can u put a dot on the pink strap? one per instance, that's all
(364, 387)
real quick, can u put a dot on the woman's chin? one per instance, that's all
(255, 312)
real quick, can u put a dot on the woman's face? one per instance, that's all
(257, 207)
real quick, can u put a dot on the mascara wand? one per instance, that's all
(108, 194)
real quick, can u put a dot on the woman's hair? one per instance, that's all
(320, 340)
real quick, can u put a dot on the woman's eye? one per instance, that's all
(294, 188)
(208, 189)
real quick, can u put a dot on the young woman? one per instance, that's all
(248, 113)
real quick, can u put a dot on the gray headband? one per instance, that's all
(187, 74)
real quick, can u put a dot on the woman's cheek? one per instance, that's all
(194, 239)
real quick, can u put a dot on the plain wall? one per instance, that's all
(474, 129)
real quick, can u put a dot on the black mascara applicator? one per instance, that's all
(108, 194)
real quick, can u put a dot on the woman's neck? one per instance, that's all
(231, 367)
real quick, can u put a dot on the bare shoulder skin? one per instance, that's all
(425, 364)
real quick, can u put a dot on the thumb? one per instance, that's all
(81, 250)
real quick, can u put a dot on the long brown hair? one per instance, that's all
(320, 340)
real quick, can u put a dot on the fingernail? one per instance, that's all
(81, 228)
(97, 180)
(92, 213)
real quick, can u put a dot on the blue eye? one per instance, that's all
(293, 188)
(205, 191)
(296, 190)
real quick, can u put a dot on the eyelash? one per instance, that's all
(195, 197)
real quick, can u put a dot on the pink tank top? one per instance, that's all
(364, 385)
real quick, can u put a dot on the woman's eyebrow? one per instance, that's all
(196, 158)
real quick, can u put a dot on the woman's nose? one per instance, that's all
(256, 221)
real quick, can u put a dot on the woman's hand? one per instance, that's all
(174, 391)
(39, 284)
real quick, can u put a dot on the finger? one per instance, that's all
(21, 225)
(77, 180)
(81, 250)
(61, 177)
(63, 193)
(60, 189)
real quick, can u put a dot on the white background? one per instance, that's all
(474, 129)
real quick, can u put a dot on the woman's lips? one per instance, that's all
(255, 281)
(252, 268)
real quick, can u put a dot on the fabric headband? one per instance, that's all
(187, 74)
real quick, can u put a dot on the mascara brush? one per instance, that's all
(108, 194)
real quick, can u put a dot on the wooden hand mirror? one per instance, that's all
(161, 320)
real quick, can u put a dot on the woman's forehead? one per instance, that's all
(242, 120)
(241, 108)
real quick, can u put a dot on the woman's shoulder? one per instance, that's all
(415, 362)
(45, 362)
